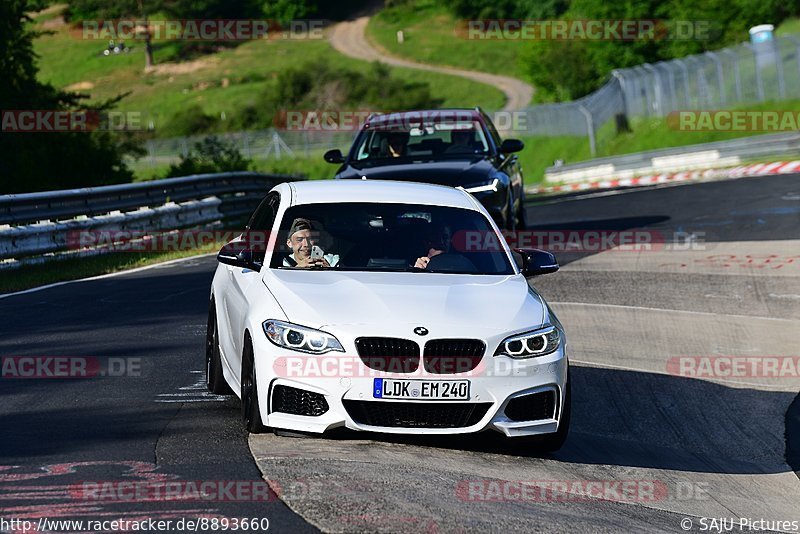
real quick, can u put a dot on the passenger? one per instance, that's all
(304, 237)
(398, 144)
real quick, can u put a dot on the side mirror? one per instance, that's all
(533, 262)
(237, 254)
(509, 146)
(334, 156)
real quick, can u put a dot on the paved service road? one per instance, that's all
(350, 39)
(665, 445)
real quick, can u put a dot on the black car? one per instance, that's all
(454, 147)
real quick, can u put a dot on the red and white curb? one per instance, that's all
(758, 169)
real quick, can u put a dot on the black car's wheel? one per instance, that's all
(511, 215)
(214, 380)
(251, 414)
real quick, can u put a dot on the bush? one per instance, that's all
(191, 120)
(210, 155)
(316, 86)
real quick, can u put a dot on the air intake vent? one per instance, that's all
(416, 414)
(295, 401)
(388, 354)
(449, 356)
(532, 407)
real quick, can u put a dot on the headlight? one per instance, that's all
(531, 344)
(482, 188)
(292, 336)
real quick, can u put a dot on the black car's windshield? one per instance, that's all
(389, 237)
(437, 140)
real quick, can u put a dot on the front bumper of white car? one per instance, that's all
(516, 397)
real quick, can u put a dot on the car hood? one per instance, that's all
(464, 172)
(318, 299)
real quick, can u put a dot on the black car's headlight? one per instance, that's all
(295, 337)
(539, 342)
(490, 187)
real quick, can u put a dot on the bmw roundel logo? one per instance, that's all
(421, 331)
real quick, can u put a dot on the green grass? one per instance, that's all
(646, 134)
(227, 80)
(790, 26)
(430, 36)
(310, 166)
(75, 268)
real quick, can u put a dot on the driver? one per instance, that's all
(304, 237)
(437, 242)
(461, 142)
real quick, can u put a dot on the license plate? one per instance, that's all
(389, 388)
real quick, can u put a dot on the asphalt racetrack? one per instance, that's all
(668, 445)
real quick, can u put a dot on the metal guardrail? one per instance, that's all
(731, 77)
(701, 156)
(37, 224)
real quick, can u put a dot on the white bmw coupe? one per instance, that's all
(387, 307)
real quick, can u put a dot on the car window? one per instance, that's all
(440, 139)
(392, 237)
(493, 131)
(260, 226)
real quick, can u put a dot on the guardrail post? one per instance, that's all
(685, 70)
(672, 89)
(737, 76)
(779, 70)
(796, 43)
(589, 128)
(246, 144)
(720, 80)
(657, 93)
(622, 89)
(757, 70)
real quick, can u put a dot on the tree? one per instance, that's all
(40, 161)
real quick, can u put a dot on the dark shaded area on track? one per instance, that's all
(793, 436)
(617, 420)
(110, 428)
(745, 209)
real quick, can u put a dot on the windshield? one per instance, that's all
(389, 237)
(399, 143)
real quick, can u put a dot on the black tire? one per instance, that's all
(214, 380)
(251, 414)
(511, 216)
(553, 442)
